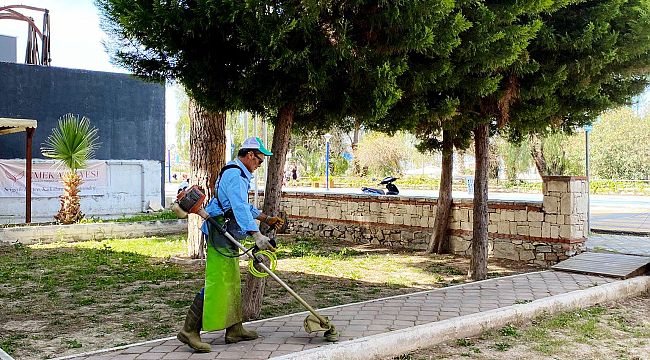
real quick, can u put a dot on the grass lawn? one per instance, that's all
(66, 298)
(618, 330)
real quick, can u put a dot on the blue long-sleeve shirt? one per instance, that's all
(233, 194)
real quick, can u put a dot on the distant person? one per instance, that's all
(185, 183)
(175, 177)
(294, 173)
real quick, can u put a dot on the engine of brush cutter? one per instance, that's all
(190, 199)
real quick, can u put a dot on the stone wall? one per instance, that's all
(533, 232)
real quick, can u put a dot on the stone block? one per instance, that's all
(535, 231)
(494, 217)
(334, 212)
(454, 225)
(566, 204)
(526, 255)
(458, 245)
(508, 215)
(461, 214)
(551, 218)
(580, 205)
(557, 186)
(572, 219)
(492, 228)
(504, 227)
(321, 212)
(577, 186)
(505, 250)
(535, 216)
(565, 231)
(466, 225)
(551, 257)
(555, 231)
(513, 228)
(551, 204)
(523, 230)
(544, 249)
(390, 218)
(521, 215)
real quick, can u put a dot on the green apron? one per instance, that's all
(222, 300)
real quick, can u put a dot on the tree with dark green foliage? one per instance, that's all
(460, 95)
(284, 60)
(590, 56)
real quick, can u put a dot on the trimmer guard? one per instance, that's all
(312, 324)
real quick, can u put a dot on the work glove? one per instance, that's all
(262, 242)
(276, 221)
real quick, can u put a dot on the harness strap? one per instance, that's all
(223, 169)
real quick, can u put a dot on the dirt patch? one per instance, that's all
(618, 330)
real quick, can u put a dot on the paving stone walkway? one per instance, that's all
(622, 244)
(284, 335)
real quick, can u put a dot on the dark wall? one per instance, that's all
(129, 113)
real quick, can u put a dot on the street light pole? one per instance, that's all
(587, 130)
(327, 136)
(169, 166)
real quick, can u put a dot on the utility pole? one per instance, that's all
(587, 131)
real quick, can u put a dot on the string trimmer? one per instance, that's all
(190, 201)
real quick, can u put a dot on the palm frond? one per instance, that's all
(72, 143)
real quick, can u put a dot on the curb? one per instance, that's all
(4, 355)
(621, 232)
(403, 341)
(33, 234)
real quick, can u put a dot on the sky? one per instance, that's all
(76, 42)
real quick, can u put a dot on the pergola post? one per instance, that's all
(28, 176)
(10, 126)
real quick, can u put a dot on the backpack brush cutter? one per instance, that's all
(190, 201)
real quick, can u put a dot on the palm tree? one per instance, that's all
(72, 143)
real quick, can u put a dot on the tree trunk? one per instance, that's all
(538, 155)
(207, 156)
(254, 289)
(478, 264)
(439, 242)
(355, 137)
(461, 162)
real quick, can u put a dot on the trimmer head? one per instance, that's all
(313, 324)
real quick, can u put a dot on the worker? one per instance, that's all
(218, 305)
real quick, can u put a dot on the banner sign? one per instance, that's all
(46, 178)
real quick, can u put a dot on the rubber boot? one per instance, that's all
(237, 333)
(191, 333)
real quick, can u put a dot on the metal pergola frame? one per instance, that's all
(10, 126)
